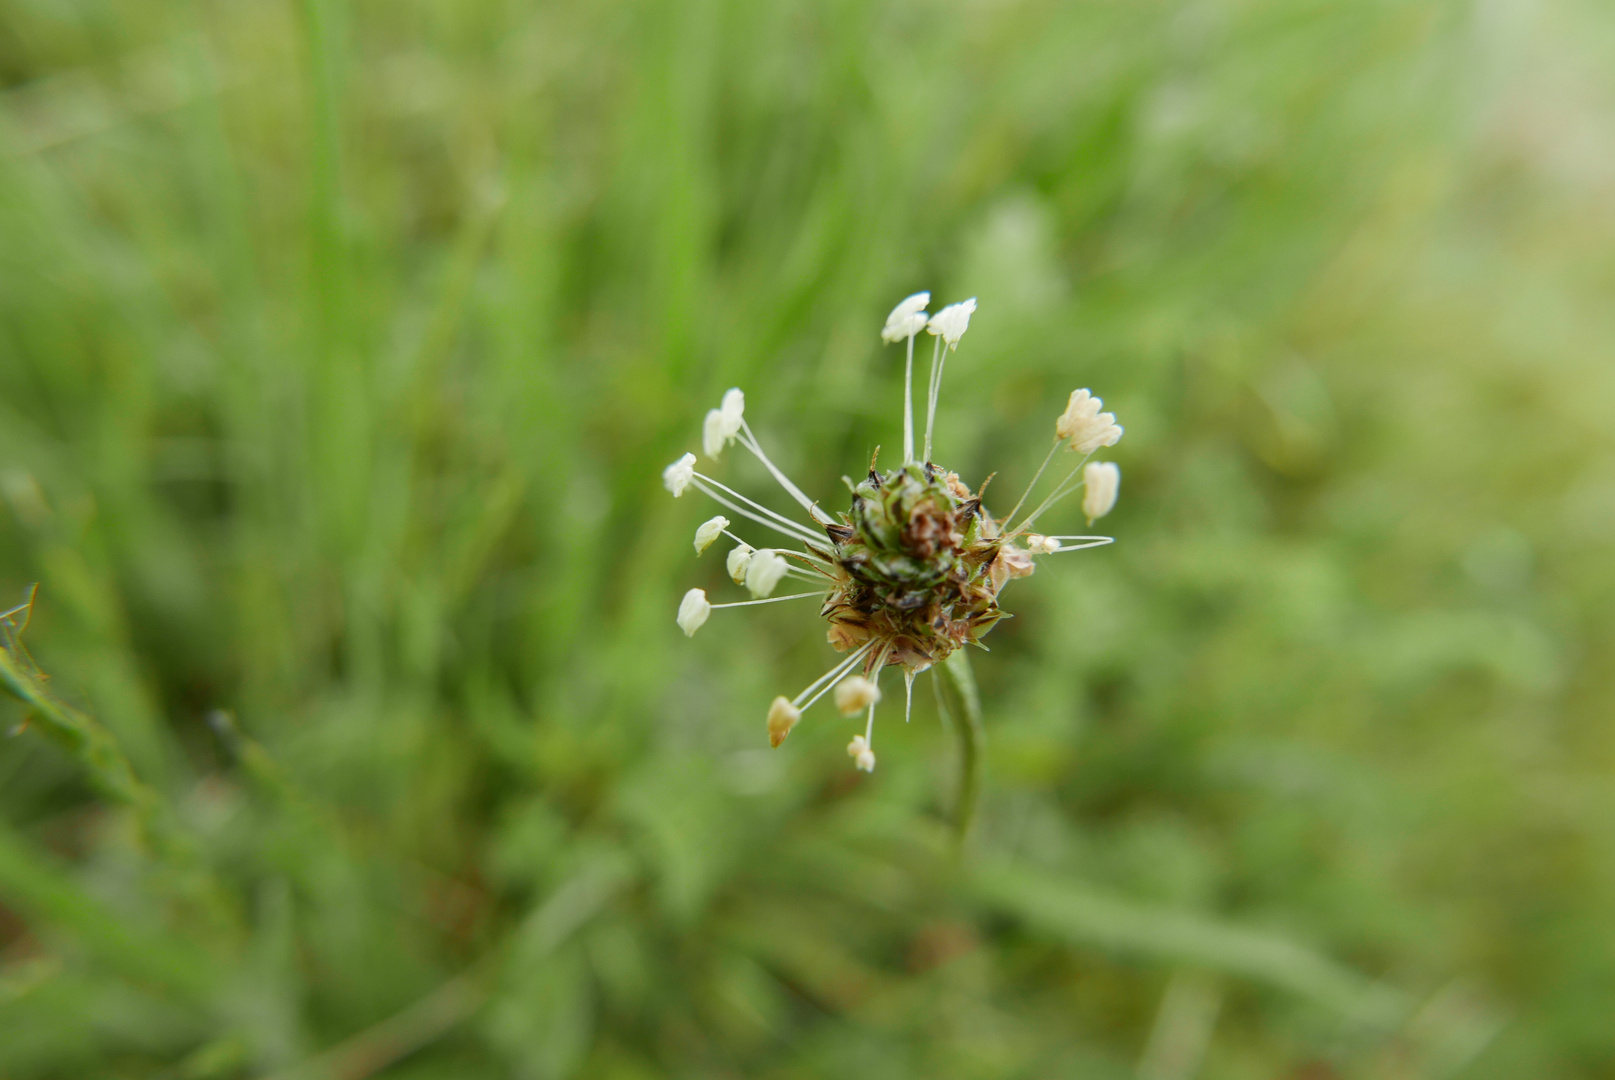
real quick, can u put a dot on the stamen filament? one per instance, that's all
(770, 600)
(743, 512)
(811, 560)
(830, 677)
(908, 404)
(1035, 478)
(1093, 542)
(939, 356)
(750, 443)
(1060, 492)
(800, 529)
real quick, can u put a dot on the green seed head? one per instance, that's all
(915, 553)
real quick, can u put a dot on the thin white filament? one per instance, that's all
(750, 443)
(800, 529)
(770, 600)
(939, 356)
(908, 404)
(1093, 542)
(831, 677)
(811, 560)
(1061, 490)
(743, 512)
(1035, 478)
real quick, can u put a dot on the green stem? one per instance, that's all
(962, 704)
(85, 738)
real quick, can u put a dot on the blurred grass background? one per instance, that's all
(341, 347)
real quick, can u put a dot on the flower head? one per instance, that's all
(915, 567)
(952, 321)
(906, 319)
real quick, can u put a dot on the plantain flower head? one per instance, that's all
(915, 566)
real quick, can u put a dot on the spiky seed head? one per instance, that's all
(914, 559)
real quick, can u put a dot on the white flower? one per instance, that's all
(709, 531)
(855, 694)
(1042, 545)
(782, 717)
(737, 563)
(1101, 480)
(723, 423)
(693, 611)
(906, 319)
(1084, 426)
(952, 321)
(677, 476)
(764, 571)
(860, 753)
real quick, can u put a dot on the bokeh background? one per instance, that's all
(342, 344)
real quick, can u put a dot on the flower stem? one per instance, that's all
(962, 705)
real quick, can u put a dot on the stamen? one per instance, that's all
(1093, 542)
(829, 677)
(1061, 490)
(1035, 478)
(813, 561)
(807, 533)
(750, 443)
(770, 600)
(908, 693)
(800, 537)
(908, 404)
(939, 356)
